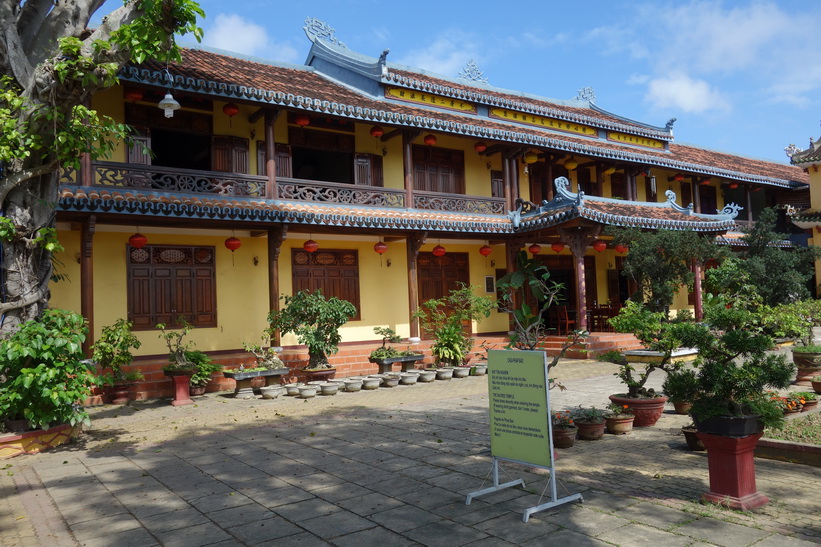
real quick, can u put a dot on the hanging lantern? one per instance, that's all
(377, 131)
(485, 250)
(705, 182)
(168, 105)
(732, 185)
(480, 147)
(438, 251)
(756, 189)
(570, 164)
(610, 170)
(230, 110)
(620, 248)
(430, 140)
(531, 158)
(678, 177)
(311, 246)
(534, 249)
(133, 95)
(599, 246)
(138, 241)
(302, 120)
(380, 247)
(233, 243)
(557, 247)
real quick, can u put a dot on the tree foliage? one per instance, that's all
(51, 66)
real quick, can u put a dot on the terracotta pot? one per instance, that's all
(682, 408)
(808, 364)
(196, 390)
(317, 375)
(620, 425)
(564, 438)
(646, 412)
(119, 394)
(816, 387)
(809, 405)
(590, 431)
(693, 442)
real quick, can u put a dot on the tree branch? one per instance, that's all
(21, 303)
(31, 16)
(10, 182)
(17, 61)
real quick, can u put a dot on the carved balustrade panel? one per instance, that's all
(456, 203)
(328, 192)
(178, 180)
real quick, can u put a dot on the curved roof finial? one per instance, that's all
(320, 30)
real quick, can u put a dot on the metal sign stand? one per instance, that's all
(554, 499)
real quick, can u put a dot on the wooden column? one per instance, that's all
(749, 204)
(87, 277)
(275, 238)
(698, 297)
(86, 170)
(407, 156)
(270, 154)
(414, 243)
(509, 204)
(578, 239)
(512, 248)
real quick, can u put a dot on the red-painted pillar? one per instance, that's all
(732, 471)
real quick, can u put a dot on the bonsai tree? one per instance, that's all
(681, 386)
(735, 367)
(315, 321)
(112, 351)
(656, 334)
(45, 373)
(385, 351)
(448, 320)
(266, 357)
(178, 350)
(205, 367)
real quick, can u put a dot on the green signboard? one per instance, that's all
(519, 428)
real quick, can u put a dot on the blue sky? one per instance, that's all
(739, 76)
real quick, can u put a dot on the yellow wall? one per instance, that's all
(110, 103)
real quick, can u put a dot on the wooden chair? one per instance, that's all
(565, 324)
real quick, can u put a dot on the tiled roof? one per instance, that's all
(809, 156)
(304, 88)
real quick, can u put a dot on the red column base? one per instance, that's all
(732, 471)
(182, 395)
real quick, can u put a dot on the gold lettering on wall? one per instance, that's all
(421, 97)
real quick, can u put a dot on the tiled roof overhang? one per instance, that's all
(214, 75)
(810, 156)
(649, 215)
(807, 219)
(735, 239)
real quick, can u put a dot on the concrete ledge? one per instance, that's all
(647, 356)
(788, 451)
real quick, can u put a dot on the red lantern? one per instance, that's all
(133, 95)
(485, 250)
(230, 110)
(138, 241)
(621, 248)
(302, 120)
(480, 147)
(705, 182)
(232, 244)
(534, 249)
(557, 247)
(377, 131)
(599, 246)
(732, 185)
(430, 140)
(311, 246)
(380, 247)
(678, 177)
(438, 251)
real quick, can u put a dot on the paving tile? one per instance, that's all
(372, 536)
(192, 535)
(265, 531)
(137, 537)
(566, 537)
(580, 519)
(721, 533)
(175, 520)
(369, 503)
(336, 524)
(107, 525)
(653, 514)
(244, 514)
(403, 518)
(638, 535)
(218, 502)
(445, 533)
(307, 509)
(510, 527)
(429, 498)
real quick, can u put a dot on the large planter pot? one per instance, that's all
(682, 408)
(590, 431)
(730, 426)
(182, 386)
(323, 374)
(119, 394)
(196, 391)
(691, 437)
(646, 411)
(808, 364)
(564, 438)
(17, 425)
(816, 387)
(620, 425)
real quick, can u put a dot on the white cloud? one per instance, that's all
(679, 91)
(447, 54)
(232, 32)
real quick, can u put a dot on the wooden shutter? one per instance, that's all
(284, 163)
(262, 159)
(334, 271)
(497, 184)
(140, 149)
(239, 155)
(368, 170)
(139, 297)
(221, 153)
(686, 194)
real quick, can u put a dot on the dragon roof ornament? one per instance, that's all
(320, 30)
(471, 73)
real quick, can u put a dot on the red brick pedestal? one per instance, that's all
(732, 471)
(182, 383)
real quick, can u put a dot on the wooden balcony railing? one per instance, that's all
(169, 179)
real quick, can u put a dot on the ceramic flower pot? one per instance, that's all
(352, 385)
(646, 411)
(292, 390)
(564, 438)
(682, 408)
(430, 375)
(590, 431)
(328, 388)
(444, 373)
(620, 425)
(371, 383)
(461, 372)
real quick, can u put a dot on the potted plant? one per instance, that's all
(657, 334)
(690, 433)
(590, 421)
(111, 352)
(45, 373)
(564, 430)
(808, 400)
(681, 388)
(735, 368)
(205, 369)
(179, 368)
(315, 321)
(619, 420)
(815, 381)
(448, 320)
(796, 321)
(385, 356)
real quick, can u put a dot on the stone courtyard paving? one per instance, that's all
(390, 467)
